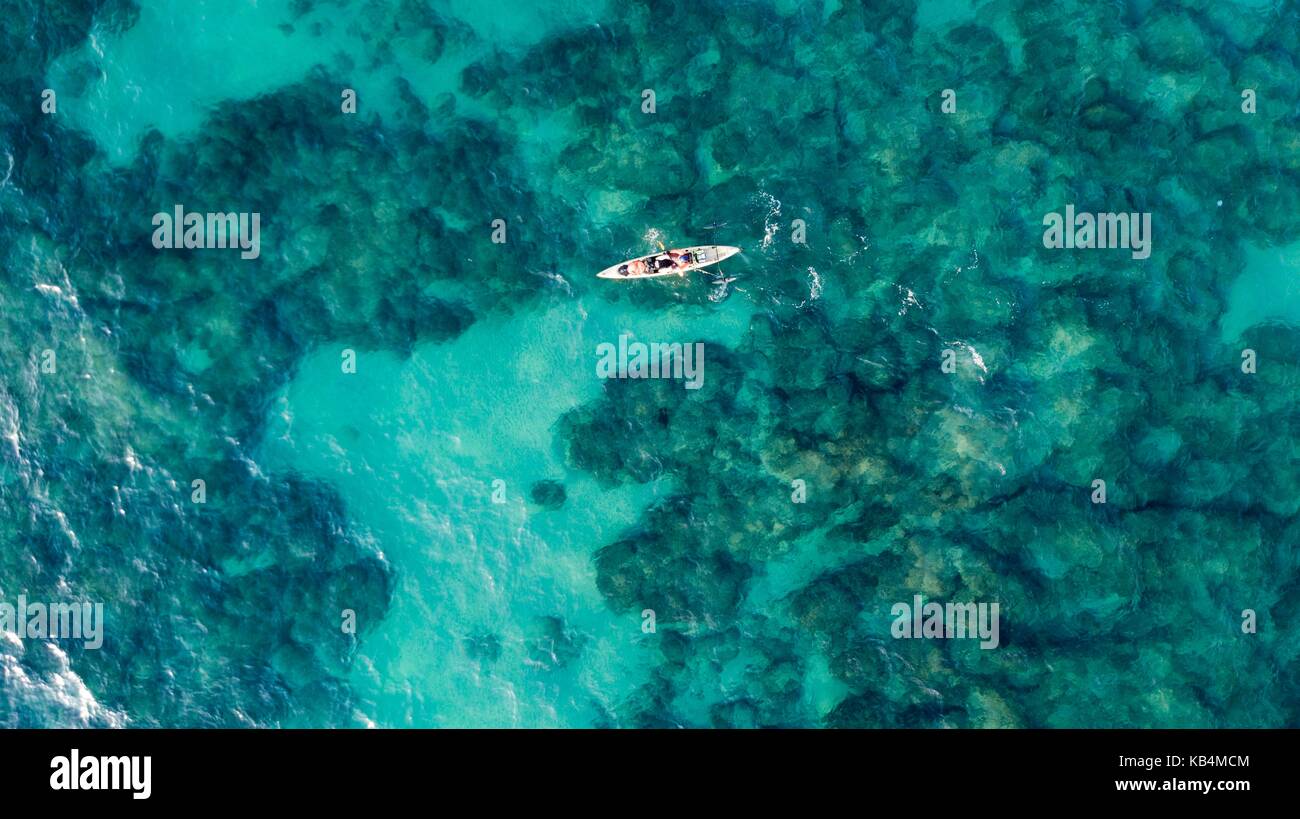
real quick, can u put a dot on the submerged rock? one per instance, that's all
(548, 494)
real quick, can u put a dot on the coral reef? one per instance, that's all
(924, 236)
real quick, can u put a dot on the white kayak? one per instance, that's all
(676, 262)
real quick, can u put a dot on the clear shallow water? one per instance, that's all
(415, 447)
(1267, 289)
(372, 491)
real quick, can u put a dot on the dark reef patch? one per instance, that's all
(548, 494)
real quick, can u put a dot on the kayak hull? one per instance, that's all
(703, 256)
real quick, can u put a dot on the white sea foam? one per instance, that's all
(56, 699)
(770, 223)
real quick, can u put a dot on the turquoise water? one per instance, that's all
(1267, 289)
(415, 446)
(495, 518)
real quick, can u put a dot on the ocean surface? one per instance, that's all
(421, 505)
